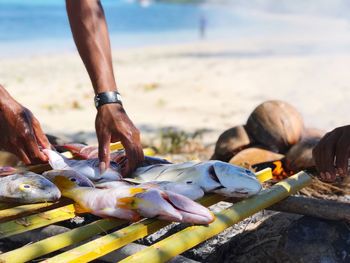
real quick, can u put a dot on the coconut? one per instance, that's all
(230, 142)
(254, 155)
(275, 124)
(299, 157)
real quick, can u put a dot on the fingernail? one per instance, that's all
(322, 175)
(102, 167)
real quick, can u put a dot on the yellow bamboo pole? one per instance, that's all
(51, 244)
(22, 209)
(24, 224)
(102, 246)
(192, 236)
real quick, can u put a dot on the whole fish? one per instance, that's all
(89, 168)
(193, 192)
(131, 203)
(212, 176)
(27, 188)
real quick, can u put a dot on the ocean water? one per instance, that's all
(41, 26)
(31, 26)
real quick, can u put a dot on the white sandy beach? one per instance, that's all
(201, 85)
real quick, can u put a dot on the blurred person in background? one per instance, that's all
(331, 154)
(21, 133)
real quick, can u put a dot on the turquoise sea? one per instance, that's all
(31, 26)
(41, 26)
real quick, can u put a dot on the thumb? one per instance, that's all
(103, 151)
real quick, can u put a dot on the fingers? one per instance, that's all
(30, 142)
(324, 154)
(332, 153)
(104, 139)
(134, 153)
(342, 155)
(40, 135)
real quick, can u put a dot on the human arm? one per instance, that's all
(21, 133)
(331, 154)
(112, 124)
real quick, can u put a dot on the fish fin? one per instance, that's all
(80, 209)
(128, 202)
(63, 182)
(136, 190)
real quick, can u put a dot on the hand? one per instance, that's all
(112, 125)
(332, 153)
(21, 133)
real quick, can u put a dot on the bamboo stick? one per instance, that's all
(60, 241)
(22, 209)
(192, 236)
(24, 224)
(117, 239)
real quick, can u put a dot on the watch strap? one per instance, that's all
(107, 98)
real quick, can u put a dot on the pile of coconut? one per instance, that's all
(274, 136)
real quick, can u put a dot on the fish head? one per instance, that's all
(30, 188)
(64, 183)
(235, 181)
(73, 176)
(169, 206)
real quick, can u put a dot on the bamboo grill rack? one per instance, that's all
(19, 219)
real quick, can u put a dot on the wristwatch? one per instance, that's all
(107, 98)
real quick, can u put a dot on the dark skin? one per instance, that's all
(112, 124)
(89, 28)
(332, 153)
(21, 133)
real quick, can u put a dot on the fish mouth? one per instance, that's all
(166, 205)
(190, 211)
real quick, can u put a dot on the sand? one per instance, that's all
(202, 85)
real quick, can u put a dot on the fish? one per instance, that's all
(72, 175)
(131, 203)
(212, 176)
(194, 192)
(89, 168)
(83, 151)
(27, 188)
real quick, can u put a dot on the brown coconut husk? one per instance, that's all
(299, 156)
(231, 142)
(275, 124)
(254, 155)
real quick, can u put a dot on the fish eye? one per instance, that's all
(73, 179)
(189, 182)
(24, 187)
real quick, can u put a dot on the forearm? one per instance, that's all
(5, 98)
(90, 33)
